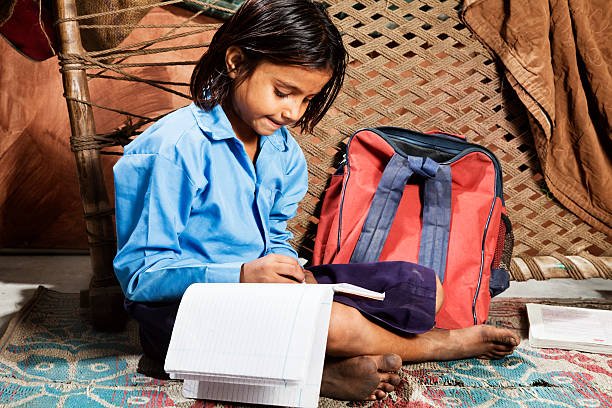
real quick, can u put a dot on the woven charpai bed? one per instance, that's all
(413, 64)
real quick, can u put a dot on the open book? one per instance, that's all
(570, 328)
(254, 343)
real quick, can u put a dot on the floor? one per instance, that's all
(20, 275)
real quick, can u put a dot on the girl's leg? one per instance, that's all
(351, 334)
(155, 323)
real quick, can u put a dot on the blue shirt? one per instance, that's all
(192, 207)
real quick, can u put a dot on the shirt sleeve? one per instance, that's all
(153, 198)
(286, 204)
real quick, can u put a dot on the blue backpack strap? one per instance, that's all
(382, 210)
(436, 221)
(385, 203)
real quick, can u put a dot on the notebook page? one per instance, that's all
(245, 330)
(301, 394)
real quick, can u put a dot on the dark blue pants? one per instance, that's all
(155, 321)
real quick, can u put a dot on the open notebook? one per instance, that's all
(254, 343)
(570, 328)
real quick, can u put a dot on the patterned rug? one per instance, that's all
(51, 357)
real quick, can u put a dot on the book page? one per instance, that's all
(251, 331)
(351, 289)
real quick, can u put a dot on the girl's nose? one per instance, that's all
(292, 111)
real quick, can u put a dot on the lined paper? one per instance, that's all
(246, 330)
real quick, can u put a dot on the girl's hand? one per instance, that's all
(309, 277)
(272, 268)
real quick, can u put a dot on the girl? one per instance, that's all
(204, 195)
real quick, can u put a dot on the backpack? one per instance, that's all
(428, 198)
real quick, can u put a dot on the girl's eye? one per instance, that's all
(280, 94)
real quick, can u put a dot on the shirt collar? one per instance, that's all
(216, 126)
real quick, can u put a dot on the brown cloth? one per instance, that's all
(557, 56)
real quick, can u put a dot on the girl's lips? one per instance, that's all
(274, 123)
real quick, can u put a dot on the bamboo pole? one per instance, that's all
(104, 298)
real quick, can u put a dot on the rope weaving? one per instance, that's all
(121, 137)
(516, 271)
(604, 270)
(534, 268)
(75, 62)
(570, 267)
(112, 52)
(583, 266)
(204, 4)
(101, 59)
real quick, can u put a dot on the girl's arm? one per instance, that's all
(153, 201)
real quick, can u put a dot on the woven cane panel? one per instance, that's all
(414, 64)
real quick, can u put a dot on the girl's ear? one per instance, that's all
(234, 57)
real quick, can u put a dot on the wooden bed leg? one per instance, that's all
(105, 296)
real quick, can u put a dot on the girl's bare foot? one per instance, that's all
(482, 341)
(360, 378)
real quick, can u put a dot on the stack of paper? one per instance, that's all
(570, 328)
(253, 343)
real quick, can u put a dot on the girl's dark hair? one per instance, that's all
(284, 32)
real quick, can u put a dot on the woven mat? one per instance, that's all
(51, 357)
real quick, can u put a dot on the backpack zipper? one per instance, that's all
(482, 253)
(457, 147)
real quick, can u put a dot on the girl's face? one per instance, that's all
(271, 96)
